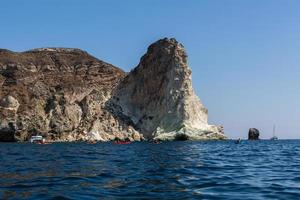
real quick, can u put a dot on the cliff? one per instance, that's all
(158, 96)
(68, 95)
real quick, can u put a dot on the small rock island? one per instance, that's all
(253, 134)
(66, 94)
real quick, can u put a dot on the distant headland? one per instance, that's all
(66, 94)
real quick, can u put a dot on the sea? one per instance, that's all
(261, 169)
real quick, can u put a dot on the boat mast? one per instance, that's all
(274, 129)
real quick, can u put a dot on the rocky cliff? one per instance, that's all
(159, 99)
(67, 94)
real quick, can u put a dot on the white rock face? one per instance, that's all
(159, 99)
(94, 136)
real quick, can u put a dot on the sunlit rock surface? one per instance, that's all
(159, 99)
(66, 94)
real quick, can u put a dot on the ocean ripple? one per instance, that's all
(170, 170)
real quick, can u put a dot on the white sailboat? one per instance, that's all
(274, 136)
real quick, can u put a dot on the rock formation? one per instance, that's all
(68, 95)
(253, 134)
(159, 99)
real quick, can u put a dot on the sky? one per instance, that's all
(244, 54)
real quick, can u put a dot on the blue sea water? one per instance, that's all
(170, 170)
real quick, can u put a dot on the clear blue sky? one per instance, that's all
(244, 54)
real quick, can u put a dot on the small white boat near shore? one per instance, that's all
(36, 138)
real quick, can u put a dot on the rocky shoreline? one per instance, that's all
(66, 94)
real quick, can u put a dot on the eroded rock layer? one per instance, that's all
(68, 95)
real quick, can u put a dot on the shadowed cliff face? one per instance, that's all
(66, 94)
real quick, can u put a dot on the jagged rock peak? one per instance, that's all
(165, 48)
(159, 99)
(165, 42)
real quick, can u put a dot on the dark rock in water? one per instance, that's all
(253, 134)
(181, 137)
(7, 134)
